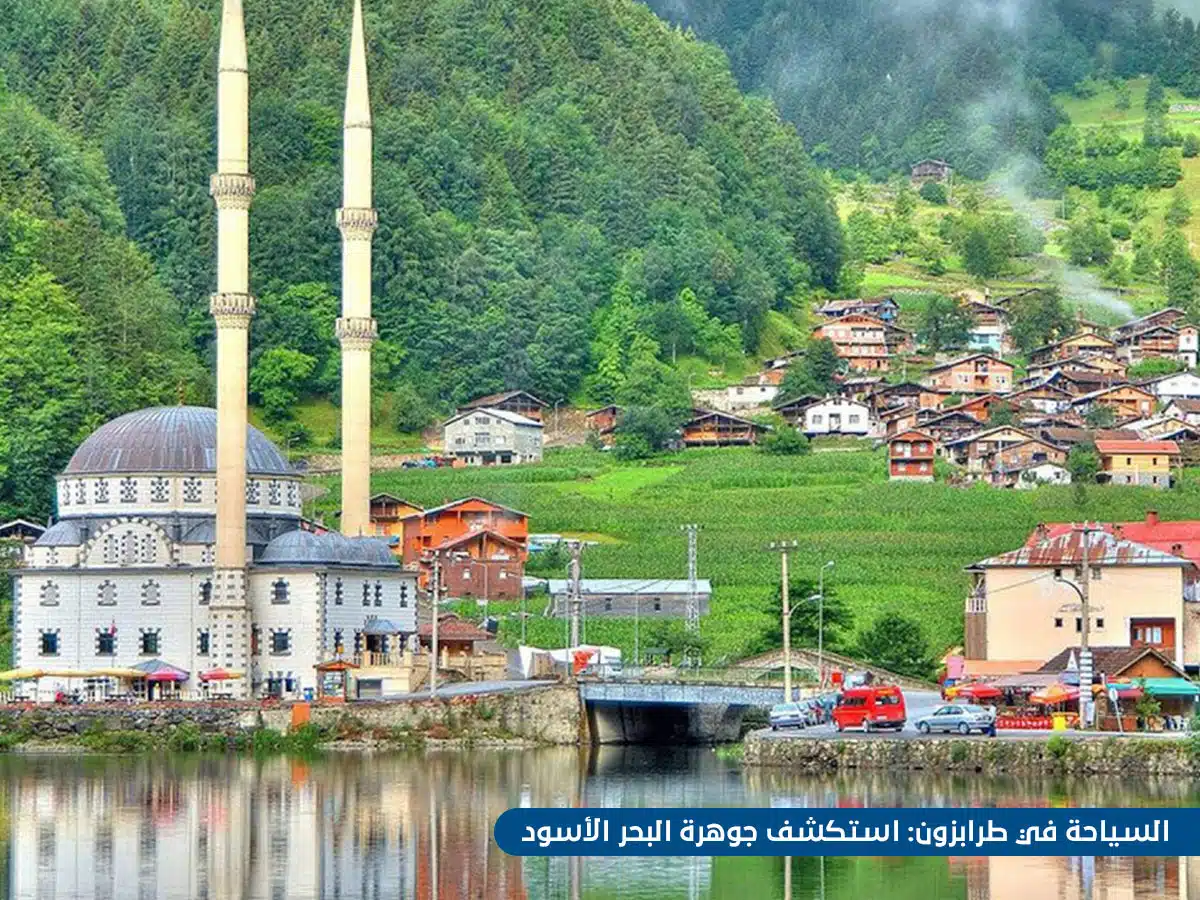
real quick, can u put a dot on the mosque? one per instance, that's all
(178, 550)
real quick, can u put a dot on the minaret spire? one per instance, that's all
(232, 306)
(356, 329)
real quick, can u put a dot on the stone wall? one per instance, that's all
(550, 715)
(1076, 755)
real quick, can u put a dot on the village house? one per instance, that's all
(1086, 344)
(1179, 386)
(481, 547)
(755, 392)
(630, 597)
(387, 517)
(1004, 466)
(1144, 463)
(979, 408)
(489, 437)
(858, 387)
(886, 309)
(1044, 398)
(522, 403)
(911, 456)
(712, 428)
(989, 328)
(932, 170)
(1037, 372)
(782, 362)
(834, 415)
(603, 421)
(946, 427)
(1169, 317)
(1189, 345)
(463, 649)
(1019, 607)
(22, 531)
(1037, 475)
(978, 373)
(893, 421)
(973, 449)
(866, 344)
(1079, 382)
(1157, 341)
(792, 411)
(1125, 400)
(906, 393)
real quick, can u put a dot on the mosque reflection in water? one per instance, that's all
(420, 827)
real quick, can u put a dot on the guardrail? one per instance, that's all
(763, 677)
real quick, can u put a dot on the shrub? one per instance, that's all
(438, 732)
(958, 752)
(785, 442)
(264, 741)
(1059, 747)
(1120, 229)
(933, 192)
(185, 738)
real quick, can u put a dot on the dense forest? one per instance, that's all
(534, 161)
(875, 85)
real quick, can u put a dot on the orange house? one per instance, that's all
(866, 343)
(910, 456)
(975, 374)
(388, 514)
(471, 536)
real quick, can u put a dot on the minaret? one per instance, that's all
(356, 329)
(232, 307)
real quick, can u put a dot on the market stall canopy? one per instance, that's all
(1124, 691)
(334, 665)
(979, 691)
(1170, 687)
(219, 674)
(1054, 693)
(23, 674)
(158, 670)
(118, 672)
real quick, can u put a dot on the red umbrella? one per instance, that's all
(219, 674)
(979, 691)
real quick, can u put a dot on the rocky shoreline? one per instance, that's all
(1056, 754)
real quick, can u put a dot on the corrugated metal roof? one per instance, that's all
(168, 439)
(1067, 549)
(503, 414)
(618, 586)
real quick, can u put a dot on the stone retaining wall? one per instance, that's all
(1084, 756)
(549, 715)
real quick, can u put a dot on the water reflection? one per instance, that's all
(420, 827)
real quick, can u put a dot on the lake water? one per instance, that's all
(384, 827)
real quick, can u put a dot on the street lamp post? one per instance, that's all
(783, 548)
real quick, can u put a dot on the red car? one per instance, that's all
(870, 708)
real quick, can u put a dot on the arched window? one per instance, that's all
(366, 594)
(205, 593)
(378, 594)
(404, 596)
(274, 493)
(102, 491)
(49, 594)
(159, 490)
(338, 593)
(293, 494)
(151, 594)
(149, 548)
(80, 492)
(111, 549)
(279, 591)
(106, 594)
(191, 490)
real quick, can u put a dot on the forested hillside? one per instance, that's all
(533, 161)
(878, 84)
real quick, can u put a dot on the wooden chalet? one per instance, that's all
(911, 455)
(1154, 342)
(1086, 343)
(1044, 397)
(1079, 383)
(388, 514)
(973, 449)
(603, 421)
(908, 393)
(886, 309)
(792, 411)
(979, 408)
(1061, 436)
(1033, 452)
(978, 373)
(1186, 409)
(898, 419)
(522, 403)
(21, 530)
(1125, 400)
(950, 426)
(1169, 317)
(936, 170)
(1098, 364)
(859, 386)
(438, 530)
(717, 429)
(866, 343)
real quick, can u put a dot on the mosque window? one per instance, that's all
(151, 594)
(337, 640)
(53, 557)
(366, 594)
(49, 594)
(48, 644)
(293, 494)
(111, 554)
(149, 548)
(202, 642)
(205, 593)
(106, 642)
(159, 492)
(404, 596)
(358, 642)
(80, 492)
(150, 641)
(253, 492)
(255, 638)
(102, 491)
(129, 548)
(279, 591)
(378, 594)
(207, 555)
(338, 592)
(65, 495)
(191, 490)
(281, 641)
(274, 493)
(106, 594)
(128, 490)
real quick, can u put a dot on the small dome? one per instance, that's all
(61, 534)
(306, 548)
(168, 439)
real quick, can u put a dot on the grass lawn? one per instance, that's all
(897, 547)
(322, 419)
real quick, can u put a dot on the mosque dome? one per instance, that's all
(301, 547)
(169, 439)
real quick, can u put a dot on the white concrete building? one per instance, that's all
(835, 415)
(125, 575)
(1179, 386)
(1043, 473)
(488, 437)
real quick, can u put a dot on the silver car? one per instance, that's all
(790, 715)
(963, 718)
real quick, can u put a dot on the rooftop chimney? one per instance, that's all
(1151, 517)
(1042, 532)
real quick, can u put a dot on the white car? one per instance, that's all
(961, 717)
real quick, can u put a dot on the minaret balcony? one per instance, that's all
(357, 223)
(237, 309)
(356, 332)
(231, 190)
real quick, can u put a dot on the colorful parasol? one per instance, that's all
(979, 691)
(23, 674)
(219, 674)
(1054, 693)
(158, 671)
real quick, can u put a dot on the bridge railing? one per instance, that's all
(763, 677)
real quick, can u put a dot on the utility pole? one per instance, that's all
(437, 603)
(821, 625)
(783, 548)
(575, 589)
(1085, 653)
(693, 602)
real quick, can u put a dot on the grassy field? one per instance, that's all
(897, 547)
(321, 418)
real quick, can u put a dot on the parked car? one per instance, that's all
(870, 708)
(961, 717)
(790, 715)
